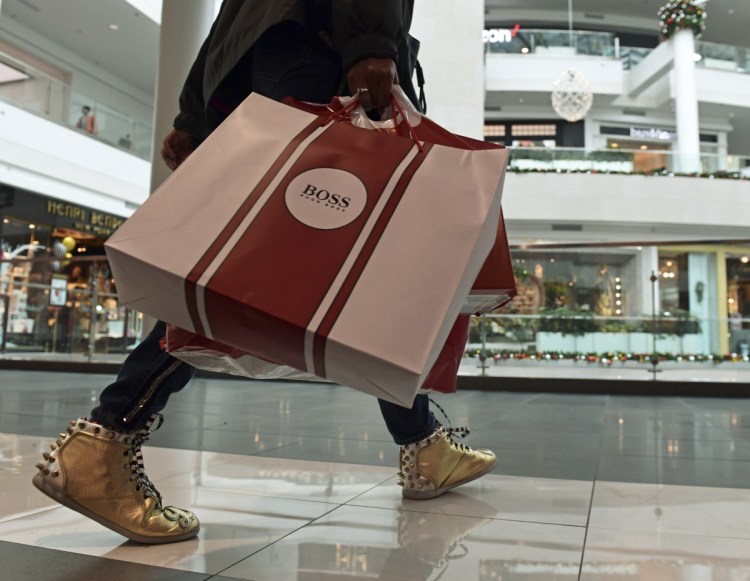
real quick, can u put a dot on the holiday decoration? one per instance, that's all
(605, 358)
(678, 14)
(663, 173)
(571, 95)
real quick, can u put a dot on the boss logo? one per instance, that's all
(321, 196)
(326, 198)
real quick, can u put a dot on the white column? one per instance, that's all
(722, 151)
(686, 102)
(452, 56)
(648, 262)
(184, 26)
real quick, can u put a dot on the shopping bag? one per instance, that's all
(331, 249)
(495, 285)
(210, 355)
(443, 374)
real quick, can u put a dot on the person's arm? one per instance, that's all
(190, 124)
(366, 35)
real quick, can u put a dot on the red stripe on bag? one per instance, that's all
(267, 290)
(337, 306)
(209, 256)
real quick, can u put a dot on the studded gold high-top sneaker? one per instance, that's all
(438, 463)
(99, 473)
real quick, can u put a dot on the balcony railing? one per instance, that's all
(624, 161)
(556, 43)
(710, 55)
(48, 97)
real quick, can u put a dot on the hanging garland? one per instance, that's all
(678, 14)
(720, 175)
(604, 358)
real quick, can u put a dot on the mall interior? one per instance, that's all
(613, 388)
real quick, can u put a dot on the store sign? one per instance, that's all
(85, 219)
(500, 34)
(44, 211)
(652, 133)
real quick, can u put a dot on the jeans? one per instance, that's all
(284, 62)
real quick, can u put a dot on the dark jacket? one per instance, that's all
(355, 29)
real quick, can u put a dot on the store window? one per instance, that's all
(57, 293)
(738, 303)
(599, 283)
(674, 292)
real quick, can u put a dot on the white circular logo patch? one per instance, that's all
(326, 198)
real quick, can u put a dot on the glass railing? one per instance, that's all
(632, 56)
(638, 161)
(711, 55)
(48, 97)
(551, 42)
(723, 57)
(665, 345)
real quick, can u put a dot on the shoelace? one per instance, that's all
(138, 471)
(459, 432)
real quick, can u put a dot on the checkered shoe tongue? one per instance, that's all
(136, 461)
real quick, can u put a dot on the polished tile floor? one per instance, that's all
(297, 482)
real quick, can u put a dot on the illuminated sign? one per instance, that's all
(660, 134)
(500, 34)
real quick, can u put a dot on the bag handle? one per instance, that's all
(344, 113)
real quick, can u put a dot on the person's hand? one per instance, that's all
(374, 79)
(176, 148)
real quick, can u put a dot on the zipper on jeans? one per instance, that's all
(150, 392)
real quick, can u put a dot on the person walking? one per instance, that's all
(309, 50)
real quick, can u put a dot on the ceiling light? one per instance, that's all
(524, 50)
(644, 146)
(697, 57)
(614, 145)
(114, 27)
(745, 259)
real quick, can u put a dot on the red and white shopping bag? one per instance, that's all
(495, 284)
(335, 250)
(211, 355)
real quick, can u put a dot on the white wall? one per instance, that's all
(684, 204)
(510, 72)
(62, 163)
(452, 58)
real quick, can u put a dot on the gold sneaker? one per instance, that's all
(99, 473)
(437, 464)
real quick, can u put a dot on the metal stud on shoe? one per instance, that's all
(89, 476)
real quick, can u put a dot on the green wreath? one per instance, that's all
(678, 14)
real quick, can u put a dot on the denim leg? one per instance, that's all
(146, 380)
(408, 425)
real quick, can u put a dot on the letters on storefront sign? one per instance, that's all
(85, 220)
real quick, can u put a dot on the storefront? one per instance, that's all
(56, 290)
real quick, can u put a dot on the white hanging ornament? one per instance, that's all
(571, 95)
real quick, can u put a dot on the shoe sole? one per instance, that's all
(427, 494)
(43, 487)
